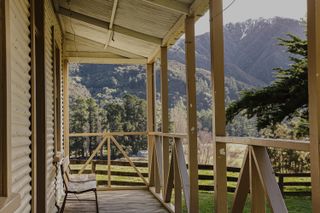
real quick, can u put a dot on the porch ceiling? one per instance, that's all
(122, 31)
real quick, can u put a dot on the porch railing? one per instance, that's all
(255, 175)
(109, 138)
(288, 182)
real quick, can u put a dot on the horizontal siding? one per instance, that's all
(20, 89)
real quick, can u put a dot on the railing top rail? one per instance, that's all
(266, 142)
(168, 135)
(106, 134)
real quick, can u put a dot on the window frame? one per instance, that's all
(56, 60)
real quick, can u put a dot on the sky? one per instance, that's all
(242, 10)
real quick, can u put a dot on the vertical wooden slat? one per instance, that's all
(192, 112)
(314, 97)
(33, 110)
(256, 187)
(66, 106)
(41, 108)
(150, 115)
(177, 184)
(217, 78)
(151, 163)
(109, 162)
(159, 161)
(156, 170)
(268, 179)
(165, 113)
(243, 185)
(170, 182)
(183, 172)
(5, 112)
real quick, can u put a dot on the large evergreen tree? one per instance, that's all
(285, 98)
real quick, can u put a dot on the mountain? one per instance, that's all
(251, 54)
(251, 49)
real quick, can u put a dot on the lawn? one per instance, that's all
(294, 204)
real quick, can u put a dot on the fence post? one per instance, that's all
(93, 167)
(280, 183)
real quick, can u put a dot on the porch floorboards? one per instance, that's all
(121, 201)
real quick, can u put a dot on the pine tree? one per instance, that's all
(285, 98)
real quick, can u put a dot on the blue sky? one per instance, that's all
(242, 10)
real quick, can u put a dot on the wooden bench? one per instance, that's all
(77, 183)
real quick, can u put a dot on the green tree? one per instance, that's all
(285, 98)
(93, 122)
(78, 124)
(134, 120)
(281, 109)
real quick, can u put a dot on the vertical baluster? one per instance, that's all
(109, 162)
(177, 184)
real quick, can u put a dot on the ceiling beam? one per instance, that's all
(113, 15)
(94, 60)
(105, 25)
(100, 46)
(92, 54)
(174, 6)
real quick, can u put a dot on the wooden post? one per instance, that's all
(5, 102)
(219, 120)
(281, 184)
(150, 114)
(165, 114)
(33, 110)
(192, 112)
(93, 167)
(314, 98)
(41, 108)
(66, 107)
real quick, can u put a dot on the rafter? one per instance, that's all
(71, 38)
(175, 6)
(113, 15)
(95, 60)
(105, 25)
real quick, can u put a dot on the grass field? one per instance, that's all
(294, 204)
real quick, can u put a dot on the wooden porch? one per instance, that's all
(33, 140)
(125, 201)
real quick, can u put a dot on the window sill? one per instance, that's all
(10, 204)
(57, 157)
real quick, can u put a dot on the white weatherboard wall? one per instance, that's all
(54, 181)
(20, 97)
